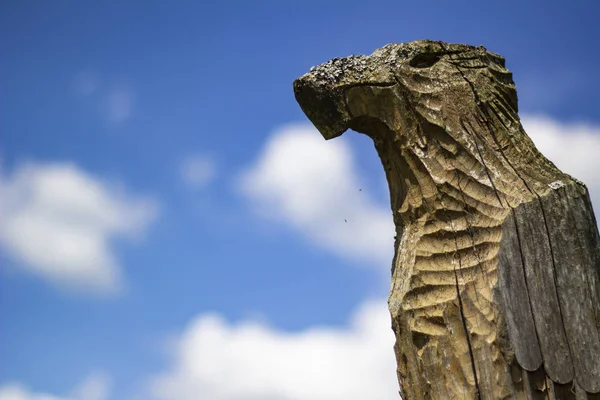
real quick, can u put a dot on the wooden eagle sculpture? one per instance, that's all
(495, 280)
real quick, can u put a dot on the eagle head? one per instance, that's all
(408, 88)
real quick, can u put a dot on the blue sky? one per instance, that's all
(172, 227)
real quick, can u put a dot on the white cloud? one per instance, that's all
(573, 147)
(313, 186)
(58, 222)
(95, 387)
(15, 391)
(215, 360)
(198, 170)
(119, 104)
(116, 102)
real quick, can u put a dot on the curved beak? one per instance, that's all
(324, 105)
(321, 93)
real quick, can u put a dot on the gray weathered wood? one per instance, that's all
(513, 292)
(564, 208)
(539, 270)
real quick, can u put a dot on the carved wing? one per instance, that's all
(549, 261)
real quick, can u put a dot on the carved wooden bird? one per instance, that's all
(495, 279)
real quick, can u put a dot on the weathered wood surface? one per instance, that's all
(496, 274)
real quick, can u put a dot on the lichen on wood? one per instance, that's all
(496, 273)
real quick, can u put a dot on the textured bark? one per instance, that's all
(495, 279)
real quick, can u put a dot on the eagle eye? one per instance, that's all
(424, 60)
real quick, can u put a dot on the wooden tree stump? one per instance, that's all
(495, 279)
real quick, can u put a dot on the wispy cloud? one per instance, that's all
(96, 386)
(115, 101)
(198, 170)
(252, 361)
(313, 186)
(119, 104)
(59, 222)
